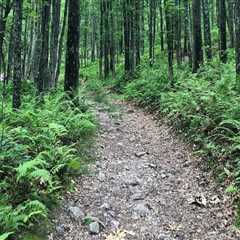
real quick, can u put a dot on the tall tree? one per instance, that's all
(55, 30)
(230, 21)
(222, 31)
(138, 31)
(127, 19)
(169, 5)
(43, 79)
(112, 36)
(207, 29)
(61, 40)
(71, 81)
(237, 43)
(161, 24)
(197, 51)
(17, 69)
(152, 27)
(187, 32)
(6, 8)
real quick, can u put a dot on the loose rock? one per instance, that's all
(94, 228)
(76, 213)
(140, 154)
(141, 210)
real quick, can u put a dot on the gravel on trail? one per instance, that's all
(145, 185)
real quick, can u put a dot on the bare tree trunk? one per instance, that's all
(55, 30)
(61, 42)
(197, 35)
(222, 31)
(237, 36)
(17, 69)
(207, 30)
(71, 81)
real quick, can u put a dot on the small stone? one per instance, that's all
(132, 139)
(60, 230)
(140, 154)
(101, 177)
(138, 196)
(94, 228)
(132, 181)
(153, 166)
(106, 206)
(163, 237)
(76, 213)
(120, 144)
(163, 176)
(141, 210)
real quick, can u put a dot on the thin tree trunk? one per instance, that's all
(55, 30)
(207, 29)
(43, 79)
(222, 31)
(237, 43)
(61, 42)
(170, 40)
(17, 69)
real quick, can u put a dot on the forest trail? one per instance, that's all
(147, 185)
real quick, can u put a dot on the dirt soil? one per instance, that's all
(145, 185)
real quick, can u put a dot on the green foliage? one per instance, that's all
(41, 149)
(5, 236)
(203, 106)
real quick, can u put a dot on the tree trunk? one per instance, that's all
(230, 22)
(55, 30)
(161, 25)
(43, 81)
(3, 22)
(17, 69)
(112, 38)
(207, 29)
(197, 35)
(237, 43)
(61, 41)
(170, 36)
(71, 81)
(126, 16)
(138, 31)
(222, 31)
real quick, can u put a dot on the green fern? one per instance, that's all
(5, 235)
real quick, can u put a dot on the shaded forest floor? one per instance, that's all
(146, 184)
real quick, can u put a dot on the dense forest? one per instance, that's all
(178, 59)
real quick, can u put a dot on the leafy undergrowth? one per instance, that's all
(204, 107)
(42, 147)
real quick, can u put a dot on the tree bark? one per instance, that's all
(17, 70)
(222, 31)
(237, 43)
(197, 51)
(71, 81)
(207, 29)
(55, 30)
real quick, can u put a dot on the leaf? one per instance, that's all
(231, 189)
(5, 235)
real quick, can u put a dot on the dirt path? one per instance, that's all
(147, 184)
